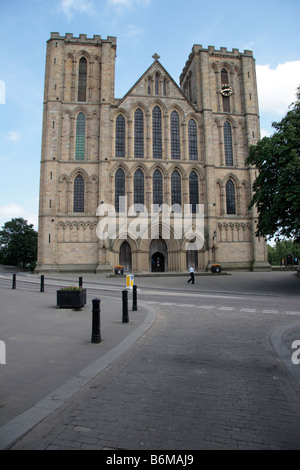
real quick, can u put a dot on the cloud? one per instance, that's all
(134, 32)
(2, 92)
(277, 87)
(264, 133)
(14, 136)
(70, 7)
(129, 3)
(13, 211)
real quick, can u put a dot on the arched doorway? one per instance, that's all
(192, 259)
(158, 256)
(125, 256)
(158, 263)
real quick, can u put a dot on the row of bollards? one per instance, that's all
(42, 284)
(125, 317)
(96, 331)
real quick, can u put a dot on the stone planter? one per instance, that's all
(216, 268)
(71, 298)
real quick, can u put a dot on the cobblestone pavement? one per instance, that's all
(197, 379)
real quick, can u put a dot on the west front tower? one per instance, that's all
(79, 91)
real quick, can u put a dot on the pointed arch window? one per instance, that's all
(230, 197)
(175, 136)
(120, 136)
(78, 203)
(194, 191)
(82, 79)
(224, 77)
(119, 189)
(193, 146)
(225, 99)
(157, 188)
(80, 137)
(139, 134)
(176, 188)
(138, 182)
(228, 144)
(157, 132)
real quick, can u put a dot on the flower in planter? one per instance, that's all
(71, 288)
(216, 268)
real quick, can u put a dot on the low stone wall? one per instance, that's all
(13, 269)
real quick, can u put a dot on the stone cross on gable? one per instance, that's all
(156, 56)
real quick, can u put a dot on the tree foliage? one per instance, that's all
(277, 186)
(18, 243)
(281, 249)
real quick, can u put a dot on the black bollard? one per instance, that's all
(14, 281)
(125, 318)
(96, 335)
(42, 283)
(80, 282)
(134, 298)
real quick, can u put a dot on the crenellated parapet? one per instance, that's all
(96, 39)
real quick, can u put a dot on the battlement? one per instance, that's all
(223, 50)
(221, 53)
(83, 38)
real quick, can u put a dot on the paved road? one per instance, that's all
(214, 371)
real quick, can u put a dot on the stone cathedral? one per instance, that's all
(161, 145)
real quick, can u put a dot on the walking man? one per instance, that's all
(192, 278)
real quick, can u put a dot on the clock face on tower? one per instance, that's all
(226, 90)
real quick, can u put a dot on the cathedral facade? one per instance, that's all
(156, 180)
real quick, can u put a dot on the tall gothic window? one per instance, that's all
(230, 197)
(138, 182)
(78, 203)
(82, 79)
(193, 147)
(194, 191)
(119, 188)
(225, 99)
(120, 136)
(228, 144)
(175, 136)
(157, 188)
(139, 134)
(80, 137)
(157, 132)
(176, 188)
(226, 104)
(224, 77)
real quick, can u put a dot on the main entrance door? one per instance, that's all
(125, 256)
(158, 256)
(158, 262)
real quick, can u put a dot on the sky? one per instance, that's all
(270, 28)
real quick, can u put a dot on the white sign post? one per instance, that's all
(129, 281)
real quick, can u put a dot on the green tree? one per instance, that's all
(277, 186)
(281, 249)
(18, 243)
